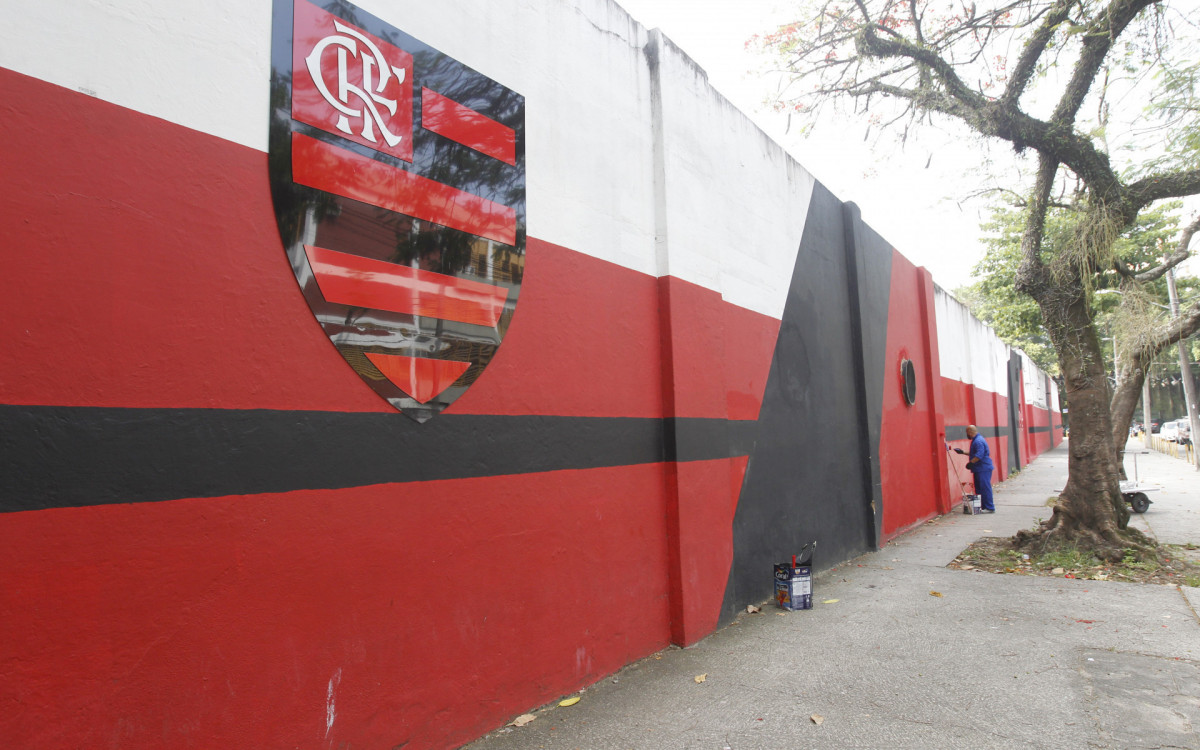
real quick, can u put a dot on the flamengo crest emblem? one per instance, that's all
(398, 176)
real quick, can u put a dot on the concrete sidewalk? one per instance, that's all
(995, 661)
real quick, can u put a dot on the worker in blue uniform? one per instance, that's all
(979, 461)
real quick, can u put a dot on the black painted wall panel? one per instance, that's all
(870, 259)
(804, 480)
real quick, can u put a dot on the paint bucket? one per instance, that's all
(793, 581)
(972, 505)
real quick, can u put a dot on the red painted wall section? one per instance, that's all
(1039, 424)
(195, 279)
(584, 341)
(223, 622)
(992, 414)
(933, 386)
(700, 531)
(152, 274)
(753, 336)
(699, 381)
(966, 404)
(909, 461)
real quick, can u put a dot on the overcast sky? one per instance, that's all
(909, 196)
(916, 197)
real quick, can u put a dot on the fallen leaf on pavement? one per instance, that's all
(830, 601)
(701, 678)
(817, 719)
(569, 701)
(936, 593)
(751, 609)
(522, 720)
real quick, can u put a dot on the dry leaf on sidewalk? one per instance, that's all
(751, 609)
(701, 677)
(936, 593)
(569, 701)
(817, 719)
(521, 720)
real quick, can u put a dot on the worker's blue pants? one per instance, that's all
(983, 488)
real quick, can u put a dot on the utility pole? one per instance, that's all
(1146, 407)
(1185, 366)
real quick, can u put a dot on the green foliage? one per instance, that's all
(993, 298)
(1173, 118)
(1068, 558)
(1016, 318)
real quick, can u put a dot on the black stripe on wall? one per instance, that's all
(959, 432)
(77, 456)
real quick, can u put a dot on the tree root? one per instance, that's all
(1107, 543)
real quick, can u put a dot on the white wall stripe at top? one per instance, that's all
(589, 139)
(1035, 383)
(968, 349)
(203, 65)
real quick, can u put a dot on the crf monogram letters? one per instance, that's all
(370, 95)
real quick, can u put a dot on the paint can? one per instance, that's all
(793, 581)
(972, 505)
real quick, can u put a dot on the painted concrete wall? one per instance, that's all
(977, 389)
(214, 534)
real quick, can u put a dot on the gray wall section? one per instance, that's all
(1015, 377)
(814, 471)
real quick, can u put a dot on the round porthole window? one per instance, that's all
(908, 378)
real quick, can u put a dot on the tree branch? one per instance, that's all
(1180, 328)
(1182, 252)
(1026, 65)
(869, 44)
(1031, 273)
(1098, 38)
(1157, 187)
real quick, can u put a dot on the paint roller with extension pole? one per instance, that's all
(961, 484)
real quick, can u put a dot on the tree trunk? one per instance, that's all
(1125, 400)
(1091, 511)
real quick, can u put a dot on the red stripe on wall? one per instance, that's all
(164, 280)
(224, 622)
(908, 438)
(365, 282)
(464, 125)
(966, 404)
(183, 296)
(336, 170)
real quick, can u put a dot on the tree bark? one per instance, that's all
(1133, 376)
(1091, 511)
(1124, 402)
